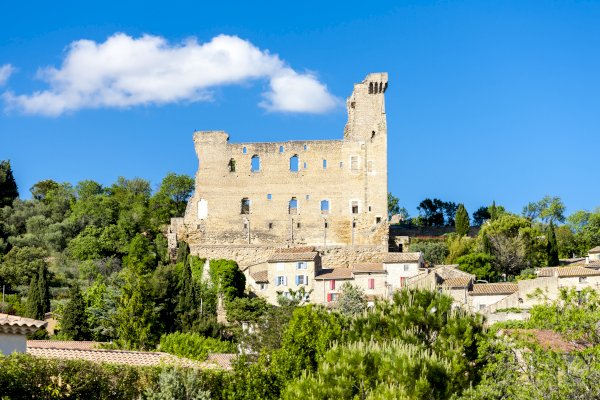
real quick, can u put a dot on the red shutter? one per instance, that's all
(332, 284)
(328, 297)
(371, 283)
(402, 281)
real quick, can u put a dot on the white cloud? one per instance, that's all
(6, 71)
(124, 71)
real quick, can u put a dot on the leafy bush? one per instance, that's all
(193, 345)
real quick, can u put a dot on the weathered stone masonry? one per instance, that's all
(250, 198)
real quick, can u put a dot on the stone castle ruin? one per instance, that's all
(254, 198)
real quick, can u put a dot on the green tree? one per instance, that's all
(172, 196)
(393, 205)
(8, 186)
(552, 247)
(462, 220)
(548, 209)
(74, 322)
(43, 289)
(434, 252)
(351, 301)
(34, 306)
(135, 316)
(246, 309)
(188, 307)
(141, 256)
(227, 277)
(478, 264)
(481, 215)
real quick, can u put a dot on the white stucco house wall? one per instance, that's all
(14, 331)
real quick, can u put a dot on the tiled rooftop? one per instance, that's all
(595, 250)
(494, 288)
(282, 257)
(459, 282)
(568, 272)
(19, 325)
(368, 267)
(63, 344)
(335, 273)
(260, 276)
(400, 257)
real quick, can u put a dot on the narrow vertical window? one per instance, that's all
(231, 165)
(332, 284)
(371, 283)
(281, 149)
(324, 164)
(324, 206)
(293, 206)
(305, 166)
(305, 147)
(354, 207)
(269, 196)
(245, 206)
(244, 151)
(294, 163)
(255, 163)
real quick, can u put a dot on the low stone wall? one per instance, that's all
(507, 316)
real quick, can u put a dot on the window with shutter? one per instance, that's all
(371, 283)
(332, 284)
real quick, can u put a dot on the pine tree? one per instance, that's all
(552, 247)
(187, 305)
(74, 324)
(43, 289)
(462, 220)
(8, 186)
(34, 310)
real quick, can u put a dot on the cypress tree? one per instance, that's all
(493, 211)
(8, 186)
(74, 324)
(183, 251)
(33, 300)
(187, 307)
(552, 247)
(43, 289)
(462, 220)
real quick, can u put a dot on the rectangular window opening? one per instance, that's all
(324, 164)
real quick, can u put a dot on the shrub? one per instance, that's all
(193, 345)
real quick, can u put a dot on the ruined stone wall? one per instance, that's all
(347, 172)
(251, 255)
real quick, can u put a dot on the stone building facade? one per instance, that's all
(253, 198)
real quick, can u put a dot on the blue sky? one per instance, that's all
(487, 101)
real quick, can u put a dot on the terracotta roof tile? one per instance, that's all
(19, 325)
(278, 257)
(335, 273)
(221, 360)
(548, 340)
(494, 288)
(595, 250)
(566, 272)
(400, 257)
(260, 276)
(139, 358)
(368, 267)
(592, 264)
(63, 344)
(461, 282)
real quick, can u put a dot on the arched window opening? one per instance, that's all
(244, 150)
(294, 163)
(324, 206)
(245, 206)
(371, 88)
(380, 87)
(281, 149)
(293, 206)
(255, 163)
(231, 165)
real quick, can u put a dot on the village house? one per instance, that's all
(14, 331)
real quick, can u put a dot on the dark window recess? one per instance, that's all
(298, 225)
(326, 225)
(354, 224)
(270, 225)
(377, 220)
(355, 207)
(294, 163)
(245, 225)
(293, 206)
(231, 165)
(245, 206)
